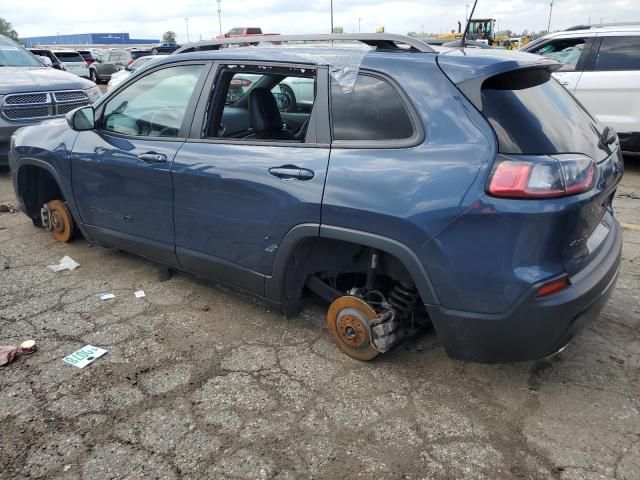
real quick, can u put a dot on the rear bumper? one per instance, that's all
(534, 328)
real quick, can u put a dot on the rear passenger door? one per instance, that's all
(236, 193)
(610, 85)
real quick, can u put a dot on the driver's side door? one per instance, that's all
(121, 170)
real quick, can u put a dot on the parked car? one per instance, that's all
(30, 92)
(121, 75)
(112, 61)
(164, 48)
(243, 32)
(601, 67)
(87, 55)
(53, 60)
(467, 188)
(73, 62)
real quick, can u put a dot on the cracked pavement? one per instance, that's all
(202, 382)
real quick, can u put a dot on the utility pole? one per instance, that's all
(359, 20)
(550, 11)
(219, 16)
(186, 21)
(331, 16)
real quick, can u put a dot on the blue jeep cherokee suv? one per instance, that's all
(464, 187)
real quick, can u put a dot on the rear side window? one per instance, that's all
(619, 53)
(532, 113)
(373, 110)
(254, 31)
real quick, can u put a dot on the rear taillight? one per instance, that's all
(525, 176)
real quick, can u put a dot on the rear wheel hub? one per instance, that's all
(348, 319)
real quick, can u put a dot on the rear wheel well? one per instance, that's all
(36, 187)
(341, 265)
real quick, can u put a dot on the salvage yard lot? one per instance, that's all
(201, 382)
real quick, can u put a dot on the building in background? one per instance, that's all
(87, 39)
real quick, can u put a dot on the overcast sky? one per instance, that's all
(150, 18)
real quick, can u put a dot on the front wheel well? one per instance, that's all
(37, 186)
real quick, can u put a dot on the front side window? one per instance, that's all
(566, 51)
(619, 53)
(154, 105)
(372, 110)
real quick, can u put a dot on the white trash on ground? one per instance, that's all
(139, 294)
(67, 263)
(84, 356)
(107, 296)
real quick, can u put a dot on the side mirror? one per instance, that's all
(82, 118)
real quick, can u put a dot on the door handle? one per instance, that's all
(565, 83)
(152, 157)
(291, 171)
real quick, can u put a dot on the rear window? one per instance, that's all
(254, 31)
(372, 110)
(532, 113)
(69, 56)
(619, 53)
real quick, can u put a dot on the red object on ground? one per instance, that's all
(7, 354)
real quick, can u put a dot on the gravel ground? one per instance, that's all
(201, 382)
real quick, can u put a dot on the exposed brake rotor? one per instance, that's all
(349, 319)
(60, 221)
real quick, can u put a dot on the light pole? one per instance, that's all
(466, 16)
(186, 21)
(331, 16)
(359, 20)
(219, 16)
(550, 10)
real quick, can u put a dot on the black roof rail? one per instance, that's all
(599, 25)
(385, 41)
(578, 27)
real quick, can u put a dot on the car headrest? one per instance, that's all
(263, 111)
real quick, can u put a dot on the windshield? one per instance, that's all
(13, 55)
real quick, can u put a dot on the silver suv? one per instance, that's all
(31, 92)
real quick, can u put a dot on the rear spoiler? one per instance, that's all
(470, 69)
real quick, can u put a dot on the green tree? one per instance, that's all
(7, 30)
(338, 30)
(169, 37)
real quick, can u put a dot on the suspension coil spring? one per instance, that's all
(403, 298)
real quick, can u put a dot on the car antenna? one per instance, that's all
(463, 39)
(462, 42)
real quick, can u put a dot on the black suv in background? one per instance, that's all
(112, 61)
